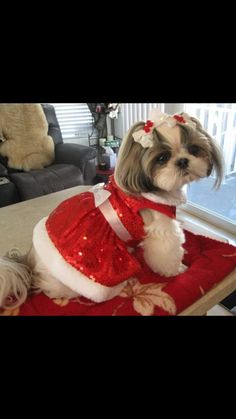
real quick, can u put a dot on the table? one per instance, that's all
(16, 226)
(17, 221)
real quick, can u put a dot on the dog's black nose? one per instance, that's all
(182, 163)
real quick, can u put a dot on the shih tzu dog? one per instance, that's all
(86, 246)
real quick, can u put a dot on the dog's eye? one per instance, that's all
(163, 157)
(194, 150)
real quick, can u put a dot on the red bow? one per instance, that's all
(147, 127)
(180, 119)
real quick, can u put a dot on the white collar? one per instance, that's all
(177, 197)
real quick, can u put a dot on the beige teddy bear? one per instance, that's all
(24, 136)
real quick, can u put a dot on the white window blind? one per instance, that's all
(75, 120)
(134, 112)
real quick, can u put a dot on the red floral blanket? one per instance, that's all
(149, 294)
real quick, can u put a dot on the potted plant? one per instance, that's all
(100, 112)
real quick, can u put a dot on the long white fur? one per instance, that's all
(163, 251)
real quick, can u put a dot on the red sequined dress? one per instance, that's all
(86, 240)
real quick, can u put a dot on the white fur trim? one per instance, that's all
(66, 273)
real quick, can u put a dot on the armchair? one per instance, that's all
(74, 165)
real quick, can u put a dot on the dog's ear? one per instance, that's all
(217, 161)
(215, 153)
(130, 174)
(215, 157)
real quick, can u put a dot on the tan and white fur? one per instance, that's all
(157, 173)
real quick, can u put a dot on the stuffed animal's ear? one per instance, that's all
(2, 136)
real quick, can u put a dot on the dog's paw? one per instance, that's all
(183, 268)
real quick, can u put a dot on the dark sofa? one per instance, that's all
(74, 165)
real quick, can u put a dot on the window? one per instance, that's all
(218, 206)
(75, 121)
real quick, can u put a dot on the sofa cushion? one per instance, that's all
(8, 194)
(53, 126)
(42, 182)
(3, 170)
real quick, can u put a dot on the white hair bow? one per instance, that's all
(156, 120)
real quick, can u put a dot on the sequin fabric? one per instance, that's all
(86, 241)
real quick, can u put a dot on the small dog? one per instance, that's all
(86, 245)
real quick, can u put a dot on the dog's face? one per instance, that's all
(191, 156)
(187, 155)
